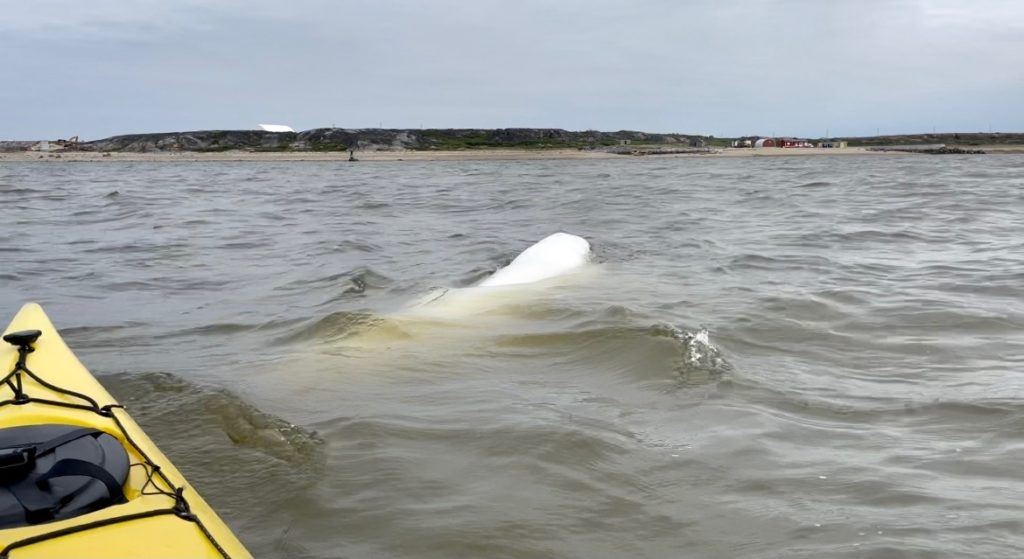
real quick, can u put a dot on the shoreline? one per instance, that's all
(484, 154)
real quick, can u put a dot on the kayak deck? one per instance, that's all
(163, 516)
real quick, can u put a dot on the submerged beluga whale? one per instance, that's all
(509, 291)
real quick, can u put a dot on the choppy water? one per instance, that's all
(865, 400)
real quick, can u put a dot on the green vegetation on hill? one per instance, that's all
(955, 139)
(376, 139)
(343, 139)
(531, 138)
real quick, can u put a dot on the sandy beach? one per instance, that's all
(454, 155)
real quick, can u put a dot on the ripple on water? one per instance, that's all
(857, 394)
(226, 447)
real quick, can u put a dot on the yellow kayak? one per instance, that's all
(78, 477)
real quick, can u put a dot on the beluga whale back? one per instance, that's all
(511, 292)
(524, 279)
(552, 256)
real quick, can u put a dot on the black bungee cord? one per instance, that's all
(23, 340)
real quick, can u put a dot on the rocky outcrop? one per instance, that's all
(954, 151)
(933, 149)
(14, 145)
(204, 140)
(951, 138)
(376, 139)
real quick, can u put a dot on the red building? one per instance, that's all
(793, 143)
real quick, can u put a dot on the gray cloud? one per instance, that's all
(725, 68)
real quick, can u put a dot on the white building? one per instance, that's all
(276, 128)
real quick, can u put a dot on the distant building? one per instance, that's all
(832, 144)
(764, 143)
(625, 142)
(793, 143)
(276, 128)
(743, 143)
(697, 142)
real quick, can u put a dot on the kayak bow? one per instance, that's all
(78, 477)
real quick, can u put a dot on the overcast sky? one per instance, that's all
(789, 67)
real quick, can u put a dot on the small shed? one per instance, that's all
(832, 144)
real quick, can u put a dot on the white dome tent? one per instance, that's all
(276, 128)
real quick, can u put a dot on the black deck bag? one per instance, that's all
(54, 472)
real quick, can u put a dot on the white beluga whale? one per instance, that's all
(552, 256)
(517, 290)
(539, 267)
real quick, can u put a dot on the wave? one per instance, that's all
(641, 353)
(356, 281)
(173, 409)
(815, 184)
(331, 327)
(699, 356)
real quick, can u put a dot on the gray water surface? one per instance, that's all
(862, 396)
